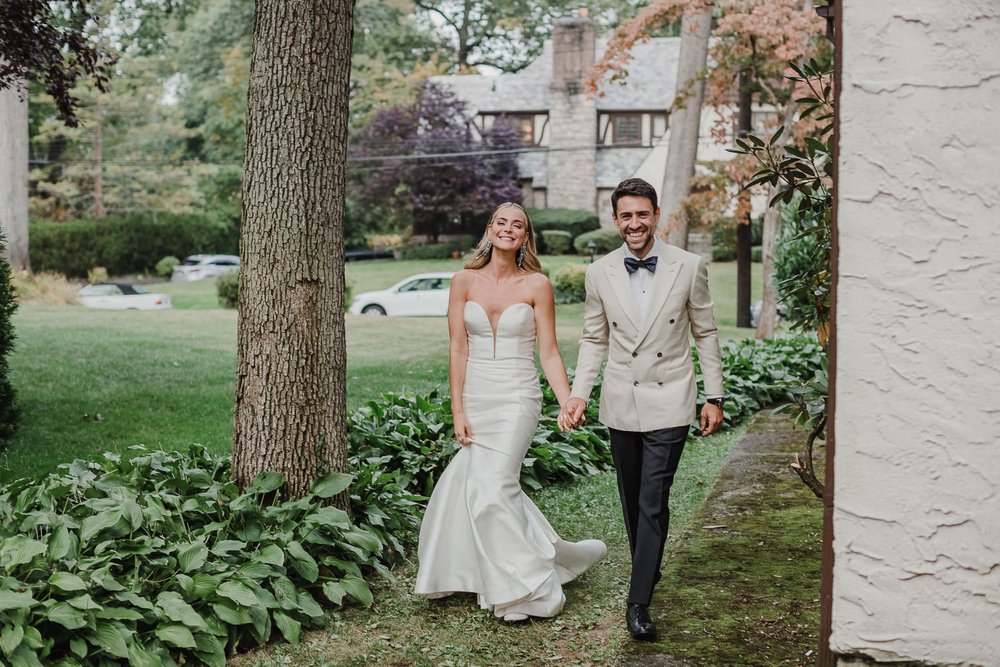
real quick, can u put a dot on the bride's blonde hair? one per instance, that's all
(483, 252)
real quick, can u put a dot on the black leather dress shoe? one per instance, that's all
(639, 623)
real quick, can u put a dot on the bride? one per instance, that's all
(481, 534)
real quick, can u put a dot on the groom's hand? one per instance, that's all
(575, 409)
(711, 419)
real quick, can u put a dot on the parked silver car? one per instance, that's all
(121, 296)
(199, 267)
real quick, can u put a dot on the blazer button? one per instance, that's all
(659, 383)
(635, 354)
(635, 384)
(672, 320)
(659, 354)
(614, 324)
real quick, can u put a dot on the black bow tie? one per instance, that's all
(632, 265)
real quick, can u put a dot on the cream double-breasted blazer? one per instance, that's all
(649, 382)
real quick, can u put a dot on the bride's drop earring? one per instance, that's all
(520, 256)
(486, 248)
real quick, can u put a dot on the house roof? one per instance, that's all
(650, 85)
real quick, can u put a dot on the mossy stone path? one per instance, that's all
(741, 586)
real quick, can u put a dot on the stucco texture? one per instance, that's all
(917, 492)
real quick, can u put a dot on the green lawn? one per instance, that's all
(91, 381)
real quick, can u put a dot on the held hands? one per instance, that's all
(463, 430)
(711, 419)
(572, 414)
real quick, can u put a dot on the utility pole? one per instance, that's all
(743, 230)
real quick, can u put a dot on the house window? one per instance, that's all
(627, 128)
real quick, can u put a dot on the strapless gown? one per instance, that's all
(481, 534)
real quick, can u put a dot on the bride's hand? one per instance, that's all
(463, 430)
(564, 421)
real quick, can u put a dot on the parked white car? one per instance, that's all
(422, 294)
(199, 267)
(121, 296)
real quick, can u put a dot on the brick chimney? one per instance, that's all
(572, 181)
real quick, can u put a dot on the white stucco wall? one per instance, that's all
(917, 494)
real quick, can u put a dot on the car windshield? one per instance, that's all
(191, 261)
(100, 290)
(139, 289)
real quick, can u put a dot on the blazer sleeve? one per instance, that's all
(593, 340)
(705, 332)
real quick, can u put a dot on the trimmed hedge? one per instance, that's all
(130, 243)
(556, 241)
(605, 239)
(570, 283)
(569, 220)
(8, 407)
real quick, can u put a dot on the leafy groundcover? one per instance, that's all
(157, 558)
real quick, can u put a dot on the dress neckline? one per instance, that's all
(494, 328)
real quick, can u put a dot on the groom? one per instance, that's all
(643, 300)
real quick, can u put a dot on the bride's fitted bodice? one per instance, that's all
(514, 338)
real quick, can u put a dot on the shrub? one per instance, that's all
(97, 274)
(757, 254)
(158, 557)
(724, 238)
(798, 251)
(573, 221)
(227, 286)
(569, 283)
(130, 243)
(165, 266)
(50, 289)
(556, 241)
(606, 240)
(429, 251)
(8, 407)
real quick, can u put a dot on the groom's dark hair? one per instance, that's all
(632, 187)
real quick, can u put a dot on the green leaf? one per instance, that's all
(95, 523)
(271, 554)
(66, 616)
(334, 592)
(203, 585)
(10, 638)
(14, 600)
(20, 549)
(78, 646)
(237, 592)
(230, 614)
(24, 657)
(358, 589)
(192, 556)
(285, 593)
(176, 609)
(308, 604)
(140, 657)
(32, 637)
(211, 650)
(255, 570)
(303, 563)
(225, 546)
(119, 614)
(111, 639)
(84, 602)
(61, 543)
(289, 627)
(266, 482)
(364, 539)
(176, 635)
(135, 600)
(66, 581)
(332, 484)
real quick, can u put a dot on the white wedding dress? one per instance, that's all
(481, 534)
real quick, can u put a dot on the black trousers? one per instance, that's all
(646, 463)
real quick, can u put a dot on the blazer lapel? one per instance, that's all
(667, 269)
(618, 277)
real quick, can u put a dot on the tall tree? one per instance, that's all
(14, 175)
(685, 118)
(424, 162)
(290, 387)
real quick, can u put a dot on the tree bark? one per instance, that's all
(14, 175)
(768, 318)
(743, 229)
(685, 122)
(291, 354)
(98, 165)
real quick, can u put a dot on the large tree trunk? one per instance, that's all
(290, 388)
(772, 227)
(685, 121)
(14, 175)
